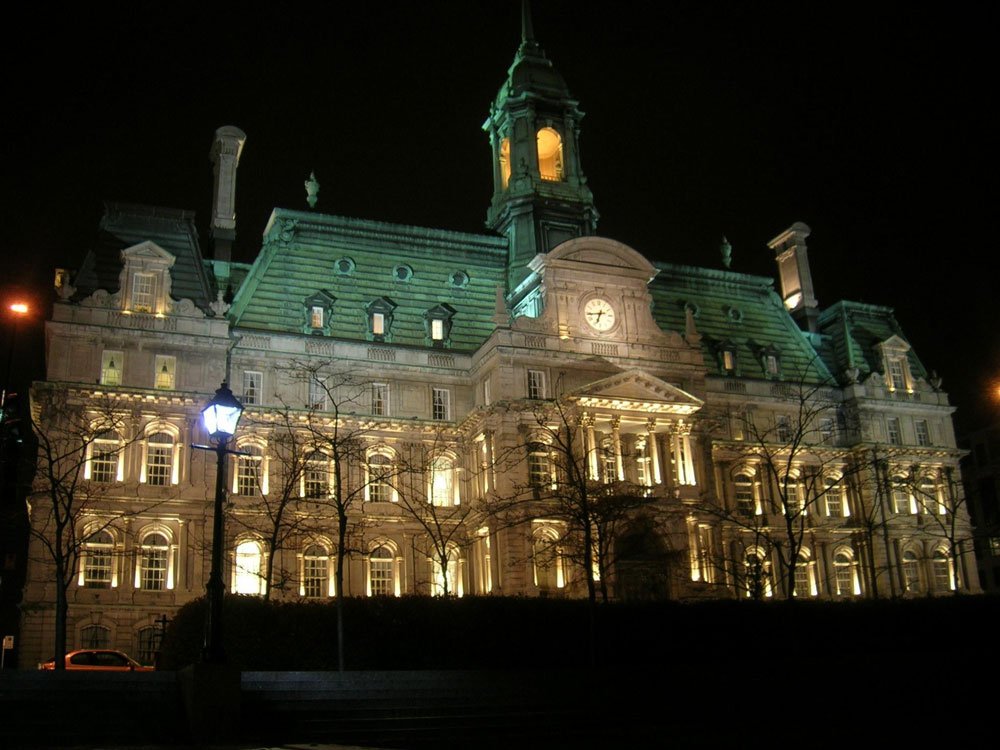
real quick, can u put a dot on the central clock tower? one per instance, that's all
(540, 194)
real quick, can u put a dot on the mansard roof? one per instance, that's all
(126, 225)
(853, 330)
(739, 312)
(357, 261)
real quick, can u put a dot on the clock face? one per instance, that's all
(599, 313)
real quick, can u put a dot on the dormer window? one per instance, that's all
(896, 365)
(550, 155)
(380, 318)
(438, 324)
(770, 361)
(318, 309)
(144, 282)
(143, 292)
(727, 358)
(771, 365)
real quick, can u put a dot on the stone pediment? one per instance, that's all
(148, 251)
(635, 390)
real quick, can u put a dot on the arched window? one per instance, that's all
(547, 560)
(159, 468)
(836, 505)
(805, 584)
(451, 575)
(247, 572)
(147, 643)
(911, 572)
(250, 471)
(316, 477)
(378, 487)
(97, 563)
(382, 572)
(154, 563)
(745, 503)
(550, 155)
(105, 465)
(845, 574)
(316, 572)
(95, 636)
(442, 481)
(941, 567)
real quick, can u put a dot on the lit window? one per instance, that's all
(97, 566)
(111, 368)
(897, 374)
(316, 316)
(247, 577)
(248, 471)
(483, 559)
(380, 399)
(159, 459)
(166, 369)
(105, 454)
(437, 329)
(550, 155)
(378, 324)
(253, 383)
(504, 163)
(378, 488)
(745, 504)
(381, 572)
(843, 568)
(911, 572)
(315, 572)
(143, 292)
(536, 384)
(440, 404)
(942, 570)
(757, 576)
(892, 428)
(447, 580)
(835, 505)
(683, 460)
(153, 554)
(547, 562)
(729, 360)
(316, 477)
(443, 482)
(771, 365)
(923, 432)
(438, 324)
(317, 394)
(379, 312)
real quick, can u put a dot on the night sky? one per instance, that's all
(874, 125)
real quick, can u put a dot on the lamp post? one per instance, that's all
(20, 310)
(220, 417)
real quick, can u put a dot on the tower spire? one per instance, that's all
(527, 29)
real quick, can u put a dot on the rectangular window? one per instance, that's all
(248, 475)
(896, 374)
(783, 426)
(97, 566)
(487, 395)
(317, 478)
(111, 368)
(380, 399)
(826, 431)
(381, 576)
(165, 372)
(437, 329)
(729, 360)
(315, 575)
(771, 365)
(892, 427)
(154, 569)
(378, 324)
(441, 404)
(159, 459)
(539, 472)
(143, 292)
(536, 384)
(923, 432)
(317, 394)
(316, 316)
(104, 459)
(253, 383)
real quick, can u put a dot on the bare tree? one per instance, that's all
(77, 438)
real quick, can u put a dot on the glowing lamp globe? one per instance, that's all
(222, 413)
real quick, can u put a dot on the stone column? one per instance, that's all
(616, 444)
(591, 448)
(654, 452)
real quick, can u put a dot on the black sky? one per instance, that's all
(872, 123)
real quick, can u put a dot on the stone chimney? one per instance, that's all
(792, 257)
(225, 156)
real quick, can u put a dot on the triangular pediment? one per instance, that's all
(894, 343)
(146, 252)
(635, 390)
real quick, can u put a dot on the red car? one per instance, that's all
(98, 660)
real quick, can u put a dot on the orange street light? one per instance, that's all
(20, 308)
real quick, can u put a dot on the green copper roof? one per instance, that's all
(854, 329)
(311, 258)
(124, 225)
(736, 311)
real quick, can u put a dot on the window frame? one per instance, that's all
(253, 387)
(440, 404)
(108, 357)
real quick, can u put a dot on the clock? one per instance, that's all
(599, 313)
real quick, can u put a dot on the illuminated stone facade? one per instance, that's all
(477, 389)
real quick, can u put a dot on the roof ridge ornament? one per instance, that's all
(727, 252)
(312, 189)
(527, 28)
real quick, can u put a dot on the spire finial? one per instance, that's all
(727, 252)
(527, 30)
(312, 190)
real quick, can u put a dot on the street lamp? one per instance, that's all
(20, 309)
(220, 417)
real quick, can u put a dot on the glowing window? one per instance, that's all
(447, 580)
(111, 368)
(897, 374)
(505, 163)
(437, 329)
(247, 571)
(539, 465)
(316, 316)
(159, 459)
(378, 324)
(771, 365)
(843, 568)
(143, 292)
(316, 572)
(443, 482)
(166, 370)
(729, 360)
(547, 562)
(793, 501)
(550, 155)
(803, 578)
(835, 506)
(902, 502)
(153, 555)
